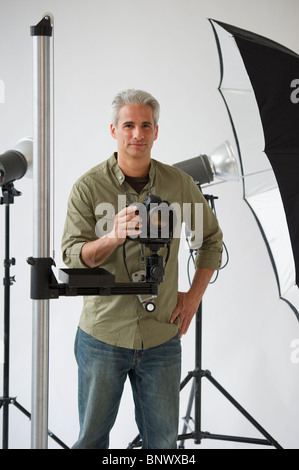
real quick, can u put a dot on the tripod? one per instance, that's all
(195, 396)
(9, 193)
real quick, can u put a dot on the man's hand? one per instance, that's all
(188, 302)
(126, 223)
(185, 309)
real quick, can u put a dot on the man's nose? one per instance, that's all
(138, 132)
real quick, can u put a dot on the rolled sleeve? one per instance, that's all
(72, 256)
(78, 228)
(208, 259)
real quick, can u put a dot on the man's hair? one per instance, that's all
(132, 96)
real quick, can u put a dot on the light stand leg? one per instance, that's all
(197, 377)
(188, 417)
(195, 395)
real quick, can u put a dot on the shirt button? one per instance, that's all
(140, 317)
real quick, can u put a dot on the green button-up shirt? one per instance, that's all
(122, 320)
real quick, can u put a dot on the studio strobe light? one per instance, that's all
(14, 164)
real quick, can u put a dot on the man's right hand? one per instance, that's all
(126, 223)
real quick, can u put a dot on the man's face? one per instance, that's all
(135, 132)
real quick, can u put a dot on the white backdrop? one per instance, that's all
(168, 48)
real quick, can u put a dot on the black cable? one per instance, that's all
(211, 200)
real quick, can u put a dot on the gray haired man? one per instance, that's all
(117, 338)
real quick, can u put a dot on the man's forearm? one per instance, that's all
(199, 284)
(94, 253)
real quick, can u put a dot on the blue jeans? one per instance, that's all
(154, 374)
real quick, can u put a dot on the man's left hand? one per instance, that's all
(185, 309)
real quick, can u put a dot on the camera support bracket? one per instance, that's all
(84, 281)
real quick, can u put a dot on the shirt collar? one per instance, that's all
(119, 175)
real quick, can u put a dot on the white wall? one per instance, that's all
(166, 47)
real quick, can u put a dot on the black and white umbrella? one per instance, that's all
(260, 87)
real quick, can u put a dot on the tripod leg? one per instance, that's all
(26, 413)
(219, 387)
(198, 374)
(188, 415)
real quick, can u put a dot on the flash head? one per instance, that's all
(14, 164)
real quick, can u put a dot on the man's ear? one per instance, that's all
(113, 131)
(157, 130)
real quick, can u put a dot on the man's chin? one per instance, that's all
(139, 152)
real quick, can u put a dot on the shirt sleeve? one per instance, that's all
(79, 226)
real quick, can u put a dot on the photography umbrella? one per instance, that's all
(260, 87)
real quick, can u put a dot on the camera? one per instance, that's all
(158, 221)
(158, 224)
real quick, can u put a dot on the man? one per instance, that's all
(117, 337)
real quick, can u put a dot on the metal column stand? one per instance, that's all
(195, 397)
(41, 34)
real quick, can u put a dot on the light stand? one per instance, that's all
(222, 165)
(8, 195)
(9, 192)
(196, 395)
(195, 398)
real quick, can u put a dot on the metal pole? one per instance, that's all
(7, 283)
(41, 226)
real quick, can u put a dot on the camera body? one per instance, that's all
(158, 221)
